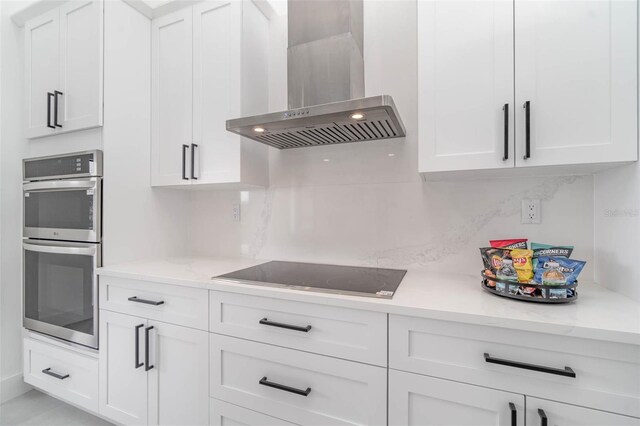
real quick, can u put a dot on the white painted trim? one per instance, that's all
(34, 9)
(11, 387)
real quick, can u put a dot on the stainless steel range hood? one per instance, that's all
(325, 69)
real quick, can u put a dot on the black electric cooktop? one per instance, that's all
(352, 280)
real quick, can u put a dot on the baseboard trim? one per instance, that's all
(12, 386)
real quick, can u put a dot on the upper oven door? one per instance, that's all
(63, 210)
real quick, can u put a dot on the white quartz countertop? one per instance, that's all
(598, 313)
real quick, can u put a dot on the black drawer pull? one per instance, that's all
(527, 129)
(566, 371)
(137, 363)
(55, 108)
(147, 366)
(543, 417)
(505, 155)
(49, 97)
(146, 302)
(265, 382)
(514, 414)
(265, 321)
(48, 372)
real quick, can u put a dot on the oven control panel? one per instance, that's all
(80, 164)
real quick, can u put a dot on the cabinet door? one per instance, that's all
(425, 401)
(123, 380)
(558, 414)
(465, 79)
(223, 413)
(216, 89)
(179, 379)
(41, 72)
(576, 66)
(81, 54)
(171, 98)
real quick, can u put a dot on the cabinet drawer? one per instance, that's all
(173, 304)
(273, 380)
(607, 375)
(64, 373)
(327, 330)
(222, 413)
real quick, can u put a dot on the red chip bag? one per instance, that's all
(520, 243)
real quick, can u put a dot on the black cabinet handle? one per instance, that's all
(184, 162)
(147, 367)
(566, 371)
(55, 108)
(138, 364)
(265, 321)
(193, 161)
(49, 96)
(505, 155)
(514, 414)
(265, 382)
(527, 129)
(543, 417)
(146, 302)
(48, 372)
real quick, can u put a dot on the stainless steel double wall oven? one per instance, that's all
(62, 245)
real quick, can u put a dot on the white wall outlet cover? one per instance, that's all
(236, 213)
(531, 211)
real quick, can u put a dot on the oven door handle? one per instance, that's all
(79, 184)
(90, 251)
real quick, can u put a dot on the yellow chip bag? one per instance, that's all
(523, 264)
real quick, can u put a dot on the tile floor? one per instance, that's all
(37, 409)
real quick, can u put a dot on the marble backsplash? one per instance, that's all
(434, 225)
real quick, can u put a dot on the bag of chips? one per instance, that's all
(520, 243)
(523, 264)
(557, 271)
(549, 250)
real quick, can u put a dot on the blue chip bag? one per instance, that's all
(556, 270)
(549, 250)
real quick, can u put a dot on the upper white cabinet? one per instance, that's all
(576, 67)
(209, 64)
(465, 98)
(63, 69)
(566, 70)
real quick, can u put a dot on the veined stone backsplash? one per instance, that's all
(434, 225)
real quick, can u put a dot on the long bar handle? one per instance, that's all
(566, 371)
(265, 321)
(147, 367)
(514, 414)
(138, 364)
(184, 162)
(505, 155)
(193, 161)
(55, 108)
(265, 382)
(527, 129)
(49, 96)
(145, 301)
(543, 417)
(48, 372)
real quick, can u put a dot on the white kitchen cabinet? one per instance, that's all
(572, 63)
(465, 90)
(222, 414)
(64, 69)
(167, 385)
(208, 65)
(576, 65)
(427, 401)
(543, 412)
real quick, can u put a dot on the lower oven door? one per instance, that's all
(60, 289)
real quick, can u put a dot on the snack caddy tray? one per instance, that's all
(492, 290)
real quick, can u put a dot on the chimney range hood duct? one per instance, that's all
(325, 70)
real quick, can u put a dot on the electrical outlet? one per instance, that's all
(531, 211)
(236, 212)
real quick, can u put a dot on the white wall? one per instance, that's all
(367, 205)
(617, 229)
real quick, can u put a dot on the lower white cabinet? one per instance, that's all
(152, 372)
(223, 413)
(426, 401)
(542, 412)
